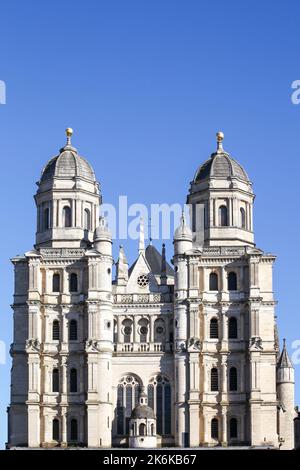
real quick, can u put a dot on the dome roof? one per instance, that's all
(220, 165)
(68, 164)
(142, 412)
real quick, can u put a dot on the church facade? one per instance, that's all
(182, 356)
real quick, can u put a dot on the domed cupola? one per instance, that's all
(142, 425)
(67, 200)
(221, 201)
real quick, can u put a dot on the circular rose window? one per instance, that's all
(144, 330)
(143, 280)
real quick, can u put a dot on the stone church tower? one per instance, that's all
(196, 345)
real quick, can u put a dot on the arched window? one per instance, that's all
(213, 281)
(232, 281)
(233, 379)
(233, 428)
(159, 399)
(152, 429)
(56, 283)
(46, 218)
(128, 396)
(73, 381)
(214, 380)
(74, 430)
(223, 216)
(143, 330)
(87, 219)
(73, 330)
(159, 331)
(142, 429)
(55, 380)
(214, 328)
(232, 328)
(73, 282)
(127, 330)
(243, 217)
(214, 428)
(55, 430)
(67, 216)
(55, 330)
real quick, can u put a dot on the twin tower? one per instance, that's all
(185, 355)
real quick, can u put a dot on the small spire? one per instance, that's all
(182, 220)
(150, 231)
(163, 275)
(284, 360)
(69, 133)
(220, 138)
(142, 236)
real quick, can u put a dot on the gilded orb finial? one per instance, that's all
(220, 138)
(69, 133)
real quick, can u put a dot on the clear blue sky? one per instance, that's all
(145, 85)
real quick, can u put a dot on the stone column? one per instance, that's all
(224, 425)
(119, 328)
(152, 320)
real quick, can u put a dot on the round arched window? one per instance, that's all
(144, 330)
(127, 330)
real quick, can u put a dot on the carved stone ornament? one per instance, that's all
(32, 345)
(194, 344)
(180, 346)
(255, 343)
(92, 345)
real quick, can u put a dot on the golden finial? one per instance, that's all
(69, 133)
(220, 138)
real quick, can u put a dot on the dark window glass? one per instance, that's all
(120, 411)
(73, 380)
(128, 406)
(233, 379)
(213, 281)
(74, 430)
(73, 282)
(159, 408)
(151, 396)
(232, 281)
(214, 428)
(87, 219)
(223, 216)
(233, 428)
(73, 330)
(56, 283)
(55, 330)
(46, 219)
(167, 414)
(243, 218)
(142, 429)
(214, 328)
(55, 380)
(55, 430)
(214, 380)
(232, 328)
(67, 217)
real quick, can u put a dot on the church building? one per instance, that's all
(186, 355)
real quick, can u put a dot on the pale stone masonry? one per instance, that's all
(159, 356)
